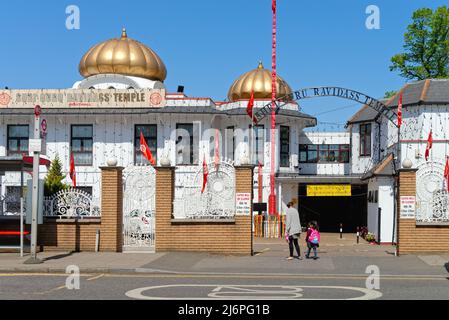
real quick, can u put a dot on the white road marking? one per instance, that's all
(251, 292)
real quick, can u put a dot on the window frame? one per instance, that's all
(72, 126)
(18, 140)
(363, 152)
(305, 148)
(191, 141)
(147, 139)
(281, 144)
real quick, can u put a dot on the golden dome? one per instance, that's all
(123, 56)
(259, 81)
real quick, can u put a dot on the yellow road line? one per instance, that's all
(243, 276)
(96, 277)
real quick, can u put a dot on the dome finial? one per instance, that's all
(260, 65)
(124, 34)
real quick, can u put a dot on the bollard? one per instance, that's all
(341, 230)
(97, 241)
(358, 235)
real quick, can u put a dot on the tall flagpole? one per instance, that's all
(272, 199)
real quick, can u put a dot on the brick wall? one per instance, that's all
(68, 234)
(80, 234)
(215, 237)
(414, 238)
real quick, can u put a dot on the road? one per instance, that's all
(220, 286)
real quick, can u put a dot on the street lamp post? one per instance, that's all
(36, 149)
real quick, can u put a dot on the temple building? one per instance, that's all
(337, 178)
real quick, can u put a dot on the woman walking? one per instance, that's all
(293, 230)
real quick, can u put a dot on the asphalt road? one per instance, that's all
(224, 287)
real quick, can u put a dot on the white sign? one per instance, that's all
(35, 145)
(408, 207)
(243, 204)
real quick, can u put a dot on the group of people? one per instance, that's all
(293, 231)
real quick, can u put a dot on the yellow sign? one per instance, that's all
(329, 190)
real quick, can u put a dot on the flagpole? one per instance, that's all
(272, 199)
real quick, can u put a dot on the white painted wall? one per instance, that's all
(385, 188)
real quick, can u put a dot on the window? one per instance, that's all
(365, 140)
(285, 147)
(87, 190)
(18, 137)
(324, 153)
(150, 134)
(81, 144)
(185, 144)
(230, 142)
(12, 203)
(258, 144)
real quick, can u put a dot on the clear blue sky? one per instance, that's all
(207, 44)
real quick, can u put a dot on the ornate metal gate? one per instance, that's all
(432, 196)
(139, 208)
(218, 199)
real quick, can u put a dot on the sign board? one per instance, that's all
(77, 98)
(243, 204)
(35, 145)
(408, 207)
(329, 190)
(40, 203)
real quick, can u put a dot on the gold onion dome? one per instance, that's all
(259, 81)
(123, 56)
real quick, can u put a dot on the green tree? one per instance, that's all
(53, 181)
(426, 46)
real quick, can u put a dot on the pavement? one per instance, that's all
(337, 256)
(345, 270)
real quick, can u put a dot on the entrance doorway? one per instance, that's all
(329, 212)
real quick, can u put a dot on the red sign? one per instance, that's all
(37, 110)
(44, 126)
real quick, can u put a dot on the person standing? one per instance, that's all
(292, 230)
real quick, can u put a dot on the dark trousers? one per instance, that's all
(292, 241)
(311, 246)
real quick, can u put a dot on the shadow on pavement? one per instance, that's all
(59, 256)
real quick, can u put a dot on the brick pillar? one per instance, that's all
(405, 227)
(111, 233)
(244, 184)
(165, 194)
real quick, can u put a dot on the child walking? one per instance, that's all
(312, 239)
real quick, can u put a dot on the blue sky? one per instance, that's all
(207, 44)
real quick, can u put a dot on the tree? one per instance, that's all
(53, 180)
(426, 46)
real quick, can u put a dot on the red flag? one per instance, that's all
(273, 5)
(217, 151)
(205, 174)
(72, 172)
(446, 172)
(429, 145)
(249, 108)
(146, 150)
(446, 168)
(400, 111)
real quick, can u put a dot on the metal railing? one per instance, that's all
(71, 203)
